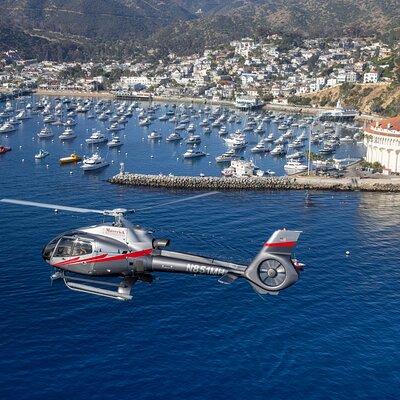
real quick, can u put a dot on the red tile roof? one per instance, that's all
(387, 123)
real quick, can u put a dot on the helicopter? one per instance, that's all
(87, 258)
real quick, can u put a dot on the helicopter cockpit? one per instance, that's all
(68, 245)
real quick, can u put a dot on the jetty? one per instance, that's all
(257, 183)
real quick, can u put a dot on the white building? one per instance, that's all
(382, 140)
(371, 77)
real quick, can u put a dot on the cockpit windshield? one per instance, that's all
(68, 247)
(49, 248)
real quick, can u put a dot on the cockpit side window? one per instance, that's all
(81, 248)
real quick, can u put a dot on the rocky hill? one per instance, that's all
(381, 99)
(189, 25)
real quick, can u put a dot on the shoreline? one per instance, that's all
(298, 182)
(289, 108)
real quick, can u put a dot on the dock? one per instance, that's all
(257, 183)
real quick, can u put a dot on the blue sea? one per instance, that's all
(333, 335)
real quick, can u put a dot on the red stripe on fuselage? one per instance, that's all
(280, 244)
(104, 258)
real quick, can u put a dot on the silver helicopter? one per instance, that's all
(119, 249)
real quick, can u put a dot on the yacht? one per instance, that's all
(45, 133)
(193, 139)
(191, 128)
(154, 136)
(22, 115)
(298, 155)
(180, 127)
(278, 150)
(68, 134)
(270, 138)
(238, 144)
(346, 139)
(296, 144)
(144, 122)
(103, 117)
(94, 162)
(339, 113)
(96, 137)
(228, 156)
(260, 129)
(69, 122)
(49, 119)
(42, 154)
(114, 142)
(115, 127)
(223, 131)
(163, 117)
(260, 148)
(193, 153)
(327, 150)
(294, 167)
(7, 127)
(174, 137)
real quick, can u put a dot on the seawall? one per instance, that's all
(257, 183)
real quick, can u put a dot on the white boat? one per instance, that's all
(193, 139)
(115, 127)
(228, 156)
(114, 142)
(278, 150)
(94, 162)
(180, 127)
(49, 119)
(270, 138)
(7, 127)
(154, 136)
(191, 128)
(223, 131)
(22, 115)
(260, 148)
(294, 167)
(346, 139)
(42, 154)
(96, 137)
(45, 133)
(174, 137)
(68, 134)
(144, 122)
(193, 153)
(295, 156)
(69, 122)
(163, 117)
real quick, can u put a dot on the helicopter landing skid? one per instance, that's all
(123, 291)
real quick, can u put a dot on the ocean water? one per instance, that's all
(333, 335)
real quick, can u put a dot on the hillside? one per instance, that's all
(179, 26)
(382, 99)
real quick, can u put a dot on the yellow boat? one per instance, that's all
(73, 158)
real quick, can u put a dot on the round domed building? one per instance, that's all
(382, 141)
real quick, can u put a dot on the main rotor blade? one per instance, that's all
(52, 206)
(176, 201)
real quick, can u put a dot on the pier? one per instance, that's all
(258, 183)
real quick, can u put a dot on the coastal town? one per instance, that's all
(274, 70)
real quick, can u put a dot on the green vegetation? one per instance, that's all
(375, 166)
(299, 100)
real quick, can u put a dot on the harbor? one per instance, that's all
(171, 138)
